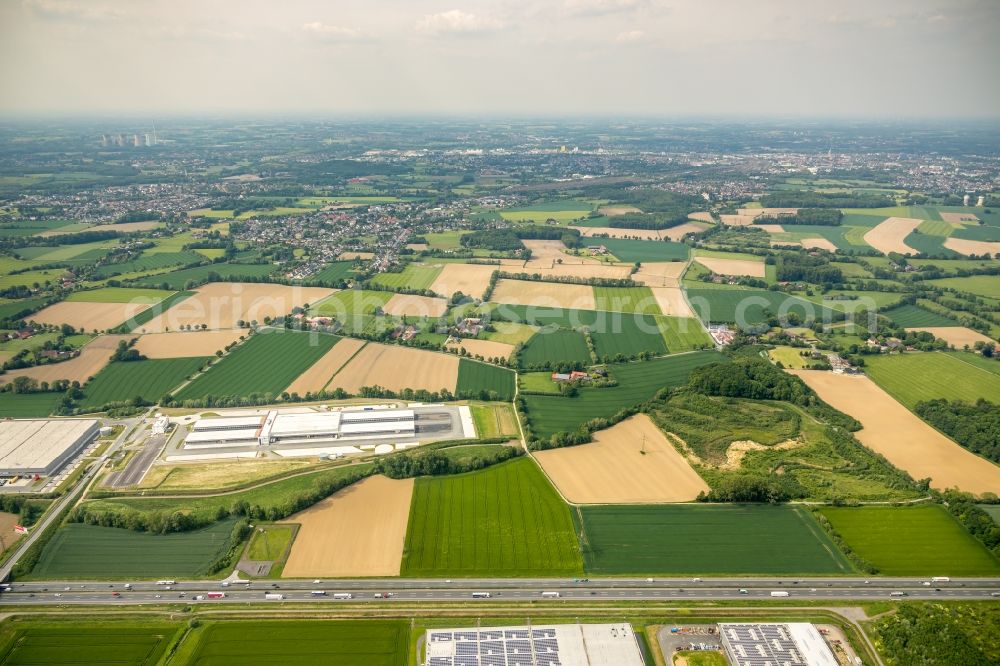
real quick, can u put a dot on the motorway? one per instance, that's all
(436, 591)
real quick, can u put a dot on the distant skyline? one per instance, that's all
(885, 59)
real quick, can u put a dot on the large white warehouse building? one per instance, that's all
(42, 446)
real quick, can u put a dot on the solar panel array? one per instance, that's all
(498, 647)
(761, 645)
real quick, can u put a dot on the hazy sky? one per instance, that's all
(895, 58)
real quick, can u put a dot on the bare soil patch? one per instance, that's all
(88, 316)
(417, 247)
(544, 294)
(612, 211)
(738, 450)
(93, 357)
(187, 343)
(359, 531)
(898, 434)
(732, 266)
(470, 279)
(959, 218)
(888, 236)
(485, 348)
(672, 302)
(221, 305)
(415, 306)
(954, 335)
(660, 273)
(322, 371)
(612, 469)
(396, 368)
(968, 247)
(7, 523)
(219, 474)
(819, 244)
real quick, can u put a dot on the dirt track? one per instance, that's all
(895, 432)
(359, 531)
(612, 468)
(395, 368)
(888, 236)
(318, 375)
(187, 343)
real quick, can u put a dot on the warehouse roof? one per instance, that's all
(229, 422)
(36, 443)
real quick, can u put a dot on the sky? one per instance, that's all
(742, 58)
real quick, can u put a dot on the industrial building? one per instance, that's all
(544, 645)
(42, 446)
(792, 644)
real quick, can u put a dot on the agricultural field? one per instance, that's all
(683, 334)
(351, 303)
(912, 541)
(33, 642)
(630, 251)
(628, 335)
(912, 316)
(470, 279)
(186, 344)
(474, 378)
(149, 379)
(626, 299)
(723, 305)
(555, 346)
(916, 376)
(455, 522)
(396, 368)
(217, 474)
(119, 295)
(177, 280)
(88, 316)
(563, 212)
(406, 305)
(91, 359)
(723, 266)
(537, 382)
(494, 420)
(956, 336)
(706, 539)
(79, 551)
(138, 321)
(980, 285)
(485, 349)
(12, 308)
(27, 405)
(266, 363)
(544, 294)
(335, 271)
(637, 383)
(319, 374)
(152, 261)
(413, 276)
(265, 643)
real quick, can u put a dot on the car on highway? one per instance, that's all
(116, 594)
(157, 596)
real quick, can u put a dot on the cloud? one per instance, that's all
(72, 10)
(630, 36)
(456, 21)
(331, 33)
(598, 7)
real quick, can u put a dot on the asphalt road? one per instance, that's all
(137, 466)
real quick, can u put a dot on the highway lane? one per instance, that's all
(136, 468)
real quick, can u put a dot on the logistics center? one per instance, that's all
(42, 446)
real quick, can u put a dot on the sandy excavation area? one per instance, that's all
(396, 368)
(968, 247)
(319, 373)
(88, 316)
(732, 266)
(187, 343)
(660, 273)
(818, 244)
(470, 279)
(485, 348)
(892, 430)
(221, 305)
(359, 531)
(672, 302)
(93, 357)
(612, 469)
(955, 335)
(544, 294)
(959, 218)
(888, 236)
(415, 306)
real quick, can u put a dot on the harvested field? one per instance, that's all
(580, 270)
(968, 247)
(396, 368)
(771, 228)
(359, 531)
(544, 294)
(614, 470)
(220, 305)
(660, 273)
(470, 279)
(732, 266)
(319, 373)
(737, 220)
(702, 216)
(351, 256)
(484, 348)
(124, 227)
(771, 212)
(415, 306)
(611, 211)
(88, 316)
(888, 236)
(93, 357)
(818, 243)
(186, 344)
(615, 232)
(959, 218)
(954, 335)
(681, 230)
(672, 302)
(907, 442)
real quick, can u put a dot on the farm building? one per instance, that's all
(42, 446)
(564, 644)
(792, 644)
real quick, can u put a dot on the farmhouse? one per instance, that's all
(42, 446)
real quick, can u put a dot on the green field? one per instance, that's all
(150, 379)
(413, 276)
(556, 346)
(630, 250)
(270, 542)
(474, 378)
(980, 285)
(119, 295)
(560, 211)
(637, 383)
(136, 323)
(917, 376)
(723, 305)
(537, 382)
(334, 272)
(911, 316)
(90, 551)
(179, 279)
(504, 521)
(912, 541)
(27, 405)
(351, 303)
(11, 309)
(626, 299)
(151, 261)
(59, 643)
(265, 364)
(299, 642)
(683, 333)
(700, 539)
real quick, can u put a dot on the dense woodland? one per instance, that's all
(975, 426)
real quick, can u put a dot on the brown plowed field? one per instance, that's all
(93, 357)
(898, 434)
(396, 368)
(732, 266)
(357, 532)
(544, 294)
(470, 279)
(415, 306)
(612, 469)
(888, 236)
(187, 343)
(319, 373)
(88, 316)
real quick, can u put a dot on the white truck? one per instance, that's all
(779, 594)
(940, 579)
(273, 596)
(343, 595)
